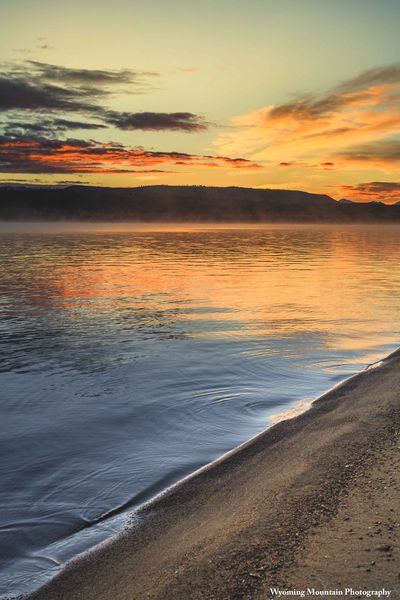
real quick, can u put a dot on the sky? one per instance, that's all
(295, 94)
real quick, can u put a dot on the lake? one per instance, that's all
(131, 356)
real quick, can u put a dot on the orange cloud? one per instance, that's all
(39, 155)
(317, 130)
(377, 191)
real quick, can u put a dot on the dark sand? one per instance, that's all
(312, 502)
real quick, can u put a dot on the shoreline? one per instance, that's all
(233, 527)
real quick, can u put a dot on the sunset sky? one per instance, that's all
(286, 93)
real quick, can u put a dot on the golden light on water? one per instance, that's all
(279, 281)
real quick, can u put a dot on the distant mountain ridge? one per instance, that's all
(183, 204)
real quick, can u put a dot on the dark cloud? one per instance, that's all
(43, 155)
(65, 124)
(88, 77)
(380, 151)
(151, 121)
(47, 127)
(38, 86)
(35, 87)
(24, 95)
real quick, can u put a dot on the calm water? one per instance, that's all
(130, 358)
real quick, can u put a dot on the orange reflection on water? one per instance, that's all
(341, 283)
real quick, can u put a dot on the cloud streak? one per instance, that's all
(89, 77)
(152, 121)
(383, 153)
(380, 191)
(50, 127)
(42, 155)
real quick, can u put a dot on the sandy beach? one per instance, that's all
(310, 503)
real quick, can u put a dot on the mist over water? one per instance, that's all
(130, 356)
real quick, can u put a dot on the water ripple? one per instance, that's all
(128, 359)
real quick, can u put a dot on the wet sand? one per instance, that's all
(311, 502)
